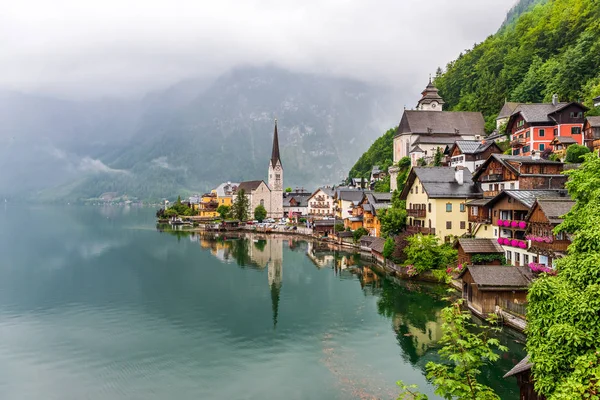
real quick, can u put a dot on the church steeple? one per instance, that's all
(275, 153)
(275, 289)
(431, 99)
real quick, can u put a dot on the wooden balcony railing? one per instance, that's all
(491, 178)
(482, 219)
(417, 213)
(557, 245)
(420, 229)
(519, 142)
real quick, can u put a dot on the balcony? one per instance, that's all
(492, 177)
(511, 224)
(480, 219)
(519, 142)
(417, 213)
(556, 246)
(316, 205)
(420, 229)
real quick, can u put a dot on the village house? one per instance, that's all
(522, 371)
(321, 204)
(258, 193)
(479, 251)
(486, 286)
(470, 153)
(560, 144)
(377, 174)
(345, 200)
(324, 227)
(207, 206)
(501, 171)
(365, 214)
(295, 204)
(533, 126)
(377, 246)
(436, 200)
(423, 131)
(508, 220)
(505, 112)
(591, 131)
(544, 216)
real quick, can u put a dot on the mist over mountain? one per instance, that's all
(190, 136)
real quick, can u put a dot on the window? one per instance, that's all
(542, 146)
(485, 227)
(502, 186)
(462, 207)
(429, 207)
(516, 152)
(560, 236)
(542, 132)
(495, 232)
(555, 131)
(448, 224)
(526, 149)
(462, 225)
(512, 185)
(579, 114)
(528, 134)
(277, 177)
(491, 187)
(517, 257)
(525, 259)
(448, 207)
(576, 130)
(411, 191)
(416, 190)
(262, 202)
(508, 255)
(572, 114)
(475, 211)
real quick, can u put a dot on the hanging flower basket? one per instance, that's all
(522, 244)
(514, 242)
(514, 224)
(522, 224)
(541, 268)
(499, 222)
(500, 240)
(506, 241)
(506, 223)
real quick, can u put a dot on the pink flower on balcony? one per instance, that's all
(506, 241)
(499, 222)
(500, 240)
(506, 223)
(514, 243)
(547, 239)
(522, 224)
(539, 239)
(522, 244)
(514, 224)
(460, 267)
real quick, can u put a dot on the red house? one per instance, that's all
(533, 126)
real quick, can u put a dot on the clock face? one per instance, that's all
(433, 105)
(277, 168)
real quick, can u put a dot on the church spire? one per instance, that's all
(275, 153)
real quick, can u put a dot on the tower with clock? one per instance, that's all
(276, 179)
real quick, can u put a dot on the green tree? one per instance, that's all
(383, 185)
(563, 315)
(260, 213)
(393, 220)
(288, 190)
(240, 207)
(224, 211)
(575, 153)
(388, 248)
(404, 164)
(467, 348)
(437, 159)
(338, 227)
(358, 233)
(170, 212)
(424, 252)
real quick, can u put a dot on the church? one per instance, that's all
(423, 131)
(270, 194)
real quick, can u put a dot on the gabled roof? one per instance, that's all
(563, 140)
(499, 277)
(436, 139)
(440, 182)
(527, 197)
(522, 366)
(542, 112)
(375, 169)
(594, 121)
(507, 109)
(430, 94)
(328, 191)
(367, 239)
(505, 160)
(416, 149)
(226, 187)
(249, 186)
(441, 122)
(353, 195)
(473, 146)
(553, 208)
(381, 197)
(378, 243)
(471, 246)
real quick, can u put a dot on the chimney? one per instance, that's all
(535, 155)
(555, 99)
(459, 175)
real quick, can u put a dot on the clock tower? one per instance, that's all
(431, 99)
(276, 179)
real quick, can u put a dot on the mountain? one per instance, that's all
(552, 48)
(380, 153)
(190, 137)
(519, 8)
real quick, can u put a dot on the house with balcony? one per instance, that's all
(480, 220)
(320, 204)
(470, 153)
(436, 200)
(544, 216)
(366, 214)
(345, 200)
(501, 171)
(560, 144)
(295, 204)
(533, 126)
(508, 212)
(591, 131)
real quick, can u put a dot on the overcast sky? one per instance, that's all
(83, 48)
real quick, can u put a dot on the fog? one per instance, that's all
(89, 49)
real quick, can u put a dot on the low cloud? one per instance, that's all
(88, 164)
(161, 162)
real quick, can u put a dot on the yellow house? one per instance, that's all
(365, 214)
(436, 200)
(222, 195)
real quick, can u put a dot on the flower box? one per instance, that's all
(514, 224)
(506, 241)
(522, 244)
(514, 242)
(500, 240)
(522, 224)
(499, 222)
(506, 223)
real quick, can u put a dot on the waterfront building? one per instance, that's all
(533, 126)
(560, 144)
(295, 204)
(436, 200)
(471, 153)
(472, 251)
(366, 213)
(321, 204)
(501, 171)
(345, 200)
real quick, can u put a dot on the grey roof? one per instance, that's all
(301, 198)
(367, 239)
(495, 135)
(528, 197)
(505, 158)
(249, 186)
(375, 169)
(522, 366)
(441, 122)
(327, 190)
(356, 219)
(494, 277)
(431, 94)
(416, 149)
(377, 244)
(472, 146)
(436, 139)
(556, 208)
(379, 196)
(345, 234)
(226, 187)
(507, 109)
(478, 202)
(353, 195)
(326, 222)
(594, 121)
(564, 140)
(439, 182)
(538, 112)
(479, 246)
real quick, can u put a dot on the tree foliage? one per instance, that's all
(393, 220)
(425, 253)
(380, 153)
(575, 153)
(383, 185)
(241, 206)
(388, 248)
(466, 349)
(260, 213)
(563, 328)
(224, 211)
(358, 233)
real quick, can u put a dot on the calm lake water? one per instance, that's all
(95, 303)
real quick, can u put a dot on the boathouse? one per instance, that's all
(522, 371)
(486, 286)
(479, 251)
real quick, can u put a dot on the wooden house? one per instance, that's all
(324, 227)
(377, 246)
(501, 171)
(365, 243)
(470, 153)
(591, 131)
(366, 214)
(544, 216)
(486, 286)
(479, 251)
(560, 144)
(522, 371)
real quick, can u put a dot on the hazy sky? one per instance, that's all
(82, 48)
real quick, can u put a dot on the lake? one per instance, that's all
(96, 303)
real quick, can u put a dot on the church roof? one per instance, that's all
(457, 123)
(249, 186)
(275, 153)
(431, 94)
